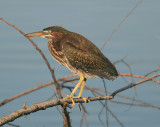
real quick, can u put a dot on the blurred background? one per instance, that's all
(22, 67)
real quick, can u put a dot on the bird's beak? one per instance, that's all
(38, 34)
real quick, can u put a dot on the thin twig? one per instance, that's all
(84, 117)
(95, 91)
(44, 105)
(137, 83)
(34, 89)
(66, 120)
(155, 70)
(131, 75)
(39, 50)
(117, 27)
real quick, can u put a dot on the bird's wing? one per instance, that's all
(84, 55)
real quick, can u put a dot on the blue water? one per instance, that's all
(22, 68)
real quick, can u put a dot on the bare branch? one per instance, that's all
(144, 77)
(39, 50)
(97, 91)
(43, 106)
(155, 70)
(34, 89)
(65, 102)
(66, 121)
(137, 83)
(116, 28)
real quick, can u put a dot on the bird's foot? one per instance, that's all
(84, 99)
(70, 97)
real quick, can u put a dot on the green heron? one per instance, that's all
(78, 54)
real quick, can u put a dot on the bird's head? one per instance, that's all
(48, 32)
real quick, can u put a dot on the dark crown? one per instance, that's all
(56, 29)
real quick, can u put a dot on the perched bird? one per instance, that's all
(78, 54)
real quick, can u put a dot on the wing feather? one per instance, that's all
(84, 55)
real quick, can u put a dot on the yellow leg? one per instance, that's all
(81, 90)
(76, 88)
(82, 87)
(78, 85)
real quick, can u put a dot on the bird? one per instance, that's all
(78, 54)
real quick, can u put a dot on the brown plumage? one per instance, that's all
(77, 53)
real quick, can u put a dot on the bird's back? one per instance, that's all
(84, 56)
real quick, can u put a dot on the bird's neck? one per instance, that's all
(55, 42)
(57, 36)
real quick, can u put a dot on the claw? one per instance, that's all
(85, 99)
(70, 97)
(73, 103)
